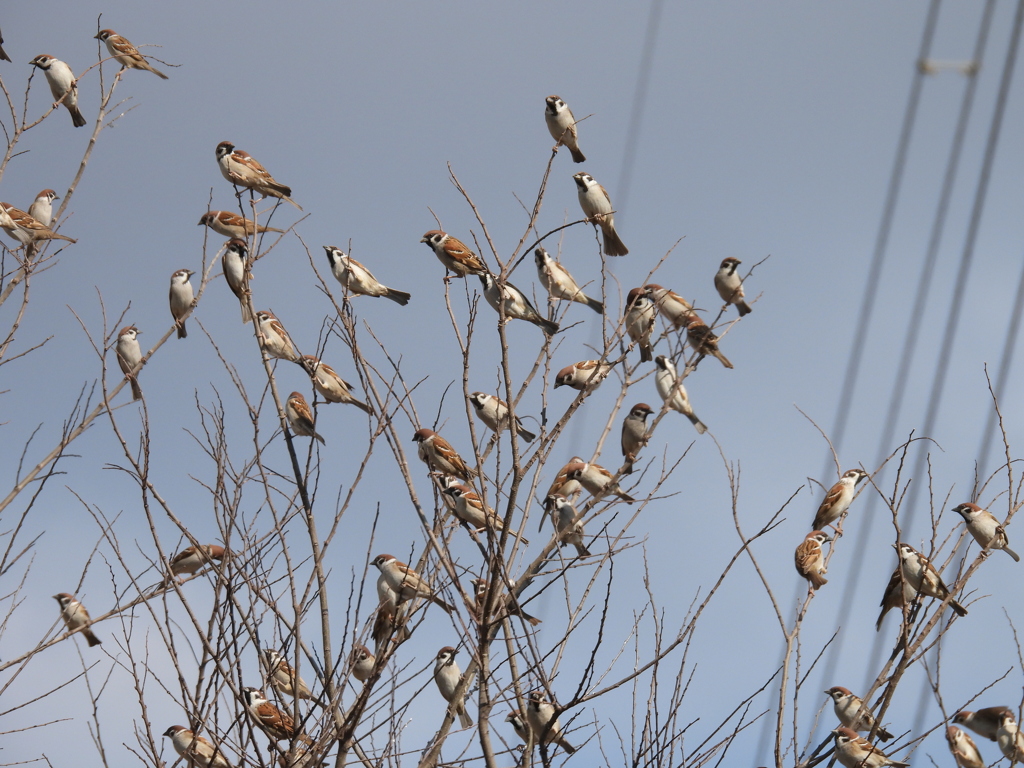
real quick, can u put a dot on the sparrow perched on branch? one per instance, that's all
(671, 305)
(704, 340)
(242, 170)
(191, 559)
(810, 560)
(447, 675)
(272, 721)
(852, 711)
(438, 454)
(196, 750)
(228, 224)
(25, 229)
(838, 498)
(42, 207)
(390, 616)
(580, 375)
(854, 751)
(181, 298)
(283, 677)
(921, 575)
(562, 126)
(672, 391)
(469, 508)
(358, 280)
(126, 53)
(985, 722)
(514, 303)
(236, 272)
(730, 286)
(518, 725)
(568, 528)
(274, 339)
(329, 384)
(61, 81)
(129, 356)
(564, 484)
(361, 661)
(1009, 738)
(541, 718)
(985, 528)
(897, 594)
(480, 589)
(493, 412)
(639, 321)
(634, 432)
(76, 617)
(559, 283)
(597, 480)
(597, 207)
(406, 583)
(300, 417)
(453, 253)
(963, 749)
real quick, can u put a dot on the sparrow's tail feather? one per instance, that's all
(526, 435)
(744, 308)
(90, 638)
(701, 428)
(596, 305)
(959, 609)
(286, 197)
(76, 117)
(723, 359)
(883, 734)
(464, 718)
(156, 71)
(362, 405)
(182, 333)
(136, 389)
(613, 246)
(1007, 550)
(399, 297)
(550, 327)
(577, 156)
(646, 354)
(581, 550)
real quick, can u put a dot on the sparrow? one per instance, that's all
(76, 617)
(181, 299)
(634, 432)
(300, 417)
(672, 391)
(447, 675)
(856, 752)
(730, 286)
(963, 749)
(671, 305)
(236, 272)
(562, 126)
(494, 413)
(228, 224)
(639, 321)
(455, 256)
(985, 722)
(358, 280)
(559, 283)
(361, 661)
(514, 303)
(390, 615)
(850, 709)
(126, 53)
(42, 207)
(580, 375)
(568, 528)
(406, 583)
(480, 587)
(985, 528)
(3, 53)
(563, 484)
(704, 340)
(810, 562)
(25, 229)
(921, 575)
(330, 385)
(597, 207)
(274, 339)
(271, 720)
(238, 167)
(597, 480)
(469, 508)
(197, 751)
(897, 594)
(61, 81)
(283, 677)
(1010, 739)
(438, 454)
(838, 498)
(191, 559)
(518, 725)
(541, 718)
(129, 355)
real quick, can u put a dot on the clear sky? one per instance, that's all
(768, 129)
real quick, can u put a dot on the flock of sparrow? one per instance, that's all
(914, 577)
(398, 584)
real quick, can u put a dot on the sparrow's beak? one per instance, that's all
(95, 37)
